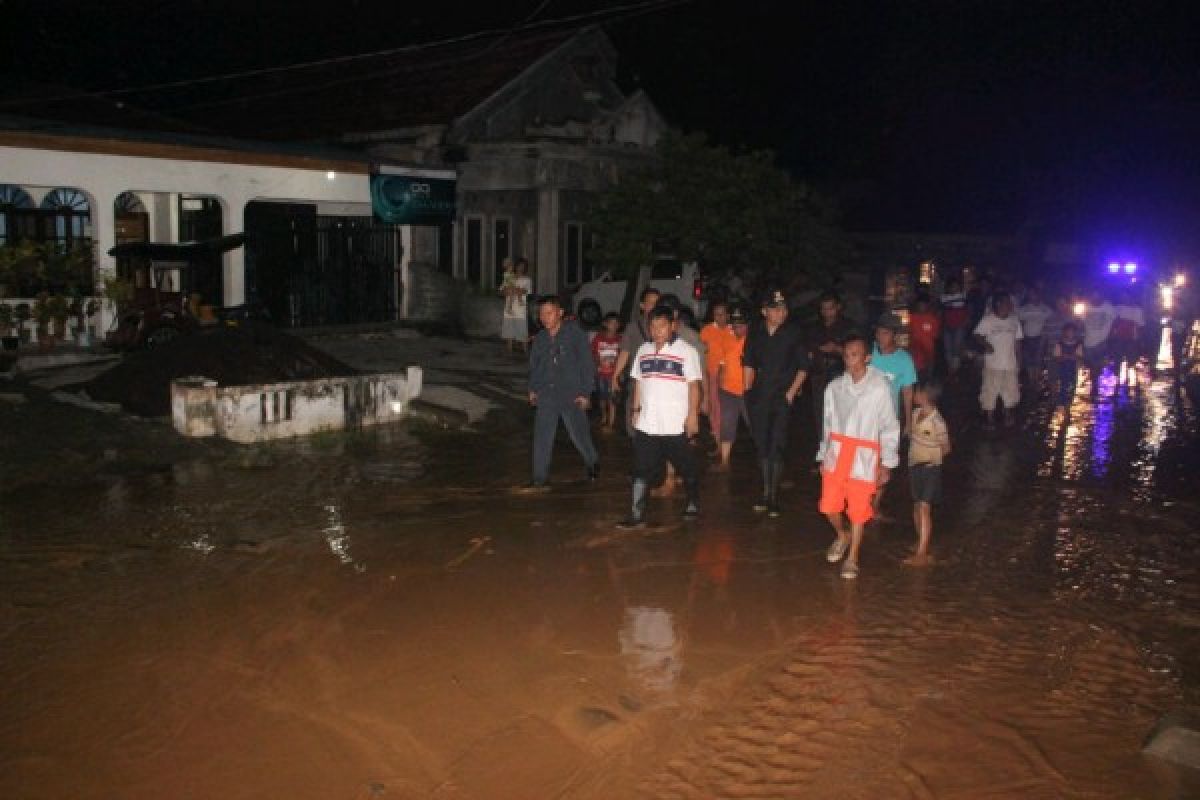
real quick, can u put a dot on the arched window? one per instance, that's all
(72, 213)
(12, 198)
(129, 203)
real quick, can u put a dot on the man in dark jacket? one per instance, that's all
(775, 364)
(561, 379)
(824, 342)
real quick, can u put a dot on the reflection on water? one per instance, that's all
(1103, 410)
(337, 538)
(651, 649)
(991, 472)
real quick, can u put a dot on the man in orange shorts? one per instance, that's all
(860, 442)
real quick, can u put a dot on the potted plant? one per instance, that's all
(41, 319)
(60, 312)
(118, 292)
(8, 255)
(7, 337)
(83, 309)
(23, 313)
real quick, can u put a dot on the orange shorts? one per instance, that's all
(843, 493)
(840, 492)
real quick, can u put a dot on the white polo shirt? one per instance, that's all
(663, 377)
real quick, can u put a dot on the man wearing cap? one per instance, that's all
(775, 364)
(561, 379)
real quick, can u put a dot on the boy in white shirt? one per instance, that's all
(998, 333)
(665, 406)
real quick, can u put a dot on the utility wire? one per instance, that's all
(372, 75)
(630, 9)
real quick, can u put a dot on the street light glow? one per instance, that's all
(1080, 309)
(1130, 268)
(1168, 296)
(1114, 268)
(1180, 279)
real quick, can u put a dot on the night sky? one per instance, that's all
(1052, 118)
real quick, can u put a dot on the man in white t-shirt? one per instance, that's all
(1097, 325)
(1033, 315)
(997, 334)
(665, 406)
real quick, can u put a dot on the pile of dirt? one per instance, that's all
(249, 353)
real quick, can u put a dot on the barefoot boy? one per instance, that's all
(928, 445)
(859, 449)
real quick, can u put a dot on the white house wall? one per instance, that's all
(102, 177)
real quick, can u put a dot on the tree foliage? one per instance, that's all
(729, 211)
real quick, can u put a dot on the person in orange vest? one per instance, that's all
(860, 442)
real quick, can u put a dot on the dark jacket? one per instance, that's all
(561, 367)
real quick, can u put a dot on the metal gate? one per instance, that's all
(315, 270)
(356, 257)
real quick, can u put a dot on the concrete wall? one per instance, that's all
(260, 412)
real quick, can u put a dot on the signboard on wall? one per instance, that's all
(412, 197)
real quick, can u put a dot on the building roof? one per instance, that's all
(325, 101)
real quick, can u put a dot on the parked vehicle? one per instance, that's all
(166, 302)
(674, 278)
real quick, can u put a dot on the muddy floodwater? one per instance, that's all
(380, 615)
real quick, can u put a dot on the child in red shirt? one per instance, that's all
(924, 327)
(606, 345)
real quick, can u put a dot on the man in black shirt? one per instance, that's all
(824, 342)
(775, 363)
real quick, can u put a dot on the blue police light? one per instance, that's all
(1130, 268)
(1114, 268)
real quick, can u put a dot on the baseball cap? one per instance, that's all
(889, 321)
(775, 299)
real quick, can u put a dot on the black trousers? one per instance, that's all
(651, 454)
(818, 379)
(769, 417)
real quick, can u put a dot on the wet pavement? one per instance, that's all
(381, 615)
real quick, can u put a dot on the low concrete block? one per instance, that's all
(1176, 738)
(194, 406)
(259, 412)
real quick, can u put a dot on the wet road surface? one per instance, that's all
(380, 615)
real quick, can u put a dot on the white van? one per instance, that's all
(674, 278)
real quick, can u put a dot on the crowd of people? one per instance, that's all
(869, 393)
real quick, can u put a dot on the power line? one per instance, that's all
(630, 9)
(307, 88)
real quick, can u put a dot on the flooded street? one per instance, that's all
(381, 615)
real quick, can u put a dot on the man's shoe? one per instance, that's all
(837, 550)
(773, 508)
(593, 472)
(536, 486)
(691, 510)
(631, 523)
(850, 570)
(760, 506)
